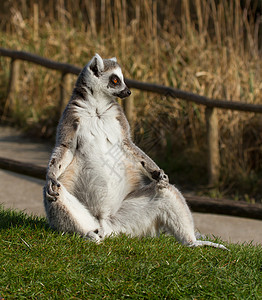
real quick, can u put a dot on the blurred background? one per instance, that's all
(212, 48)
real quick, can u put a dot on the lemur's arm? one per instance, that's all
(147, 165)
(61, 157)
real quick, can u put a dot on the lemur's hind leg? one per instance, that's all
(159, 205)
(177, 218)
(67, 214)
(155, 206)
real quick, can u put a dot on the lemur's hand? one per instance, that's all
(159, 175)
(156, 174)
(52, 188)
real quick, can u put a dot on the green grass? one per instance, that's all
(37, 262)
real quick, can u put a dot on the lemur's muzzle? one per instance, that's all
(124, 93)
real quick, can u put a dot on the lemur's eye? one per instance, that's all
(115, 80)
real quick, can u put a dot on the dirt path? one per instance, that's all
(25, 193)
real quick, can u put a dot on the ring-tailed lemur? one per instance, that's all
(98, 182)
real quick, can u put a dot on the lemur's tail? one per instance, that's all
(198, 243)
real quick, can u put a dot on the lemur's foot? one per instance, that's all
(199, 243)
(96, 236)
(52, 189)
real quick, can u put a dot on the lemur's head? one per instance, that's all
(105, 75)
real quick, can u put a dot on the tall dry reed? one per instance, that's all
(209, 47)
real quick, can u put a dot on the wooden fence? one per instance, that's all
(211, 104)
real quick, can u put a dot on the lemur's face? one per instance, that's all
(116, 85)
(108, 77)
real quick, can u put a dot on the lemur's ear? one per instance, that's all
(97, 65)
(113, 59)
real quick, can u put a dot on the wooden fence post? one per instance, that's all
(13, 83)
(213, 145)
(64, 92)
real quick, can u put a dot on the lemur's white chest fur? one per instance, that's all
(99, 126)
(99, 138)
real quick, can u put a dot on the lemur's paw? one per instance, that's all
(162, 184)
(96, 236)
(52, 189)
(160, 175)
(163, 176)
(198, 243)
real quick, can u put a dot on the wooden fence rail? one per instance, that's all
(211, 104)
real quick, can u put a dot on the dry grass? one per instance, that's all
(198, 46)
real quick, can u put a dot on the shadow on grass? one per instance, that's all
(11, 218)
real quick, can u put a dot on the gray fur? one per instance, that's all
(109, 65)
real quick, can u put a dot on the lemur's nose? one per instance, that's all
(124, 93)
(127, 92)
